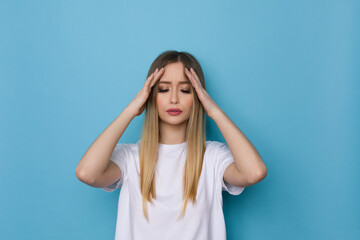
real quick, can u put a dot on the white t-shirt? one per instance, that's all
(202, 221)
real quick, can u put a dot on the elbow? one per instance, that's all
(259, 176)
(262, 174)
(82, 176)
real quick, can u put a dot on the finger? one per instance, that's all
(188, 74)
(157, 77)
(193, 71)
(191, 78)
(196, 78)
(148, 80)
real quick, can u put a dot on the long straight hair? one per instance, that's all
(195, 136)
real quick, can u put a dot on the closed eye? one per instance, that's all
(165, 90)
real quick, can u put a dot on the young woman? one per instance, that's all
(172, 179)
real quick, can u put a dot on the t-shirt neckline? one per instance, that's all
(172, 146)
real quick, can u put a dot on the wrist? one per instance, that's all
(129, 112)
(217, 113)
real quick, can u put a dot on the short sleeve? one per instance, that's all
(119, 157)
(224, 159)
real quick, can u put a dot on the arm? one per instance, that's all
(96, 159)
(248, 162)
(93, 166)
(248, 168)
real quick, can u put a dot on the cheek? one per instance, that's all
(158, 101)
(189, 102)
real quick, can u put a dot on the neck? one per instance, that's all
(172, 134)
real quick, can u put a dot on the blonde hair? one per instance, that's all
(195, 136)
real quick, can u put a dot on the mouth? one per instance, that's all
(174, 111)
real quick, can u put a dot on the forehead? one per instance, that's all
(163, 81)
(174, 74)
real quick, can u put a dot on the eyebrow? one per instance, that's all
(182, 82)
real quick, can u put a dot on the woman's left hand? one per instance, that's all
(209, 105)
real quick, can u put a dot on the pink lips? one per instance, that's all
(174, 111)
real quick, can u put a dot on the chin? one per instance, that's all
(173, 121)
(177, 122)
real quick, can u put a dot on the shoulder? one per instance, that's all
(127, 148)
(215, 145)
(219, 153)
(214, 149)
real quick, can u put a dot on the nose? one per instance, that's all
(174, 97)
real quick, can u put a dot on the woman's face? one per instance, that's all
(174, 92)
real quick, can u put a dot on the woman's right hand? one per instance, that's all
(137, 105)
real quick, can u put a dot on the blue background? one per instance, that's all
(286, 72)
